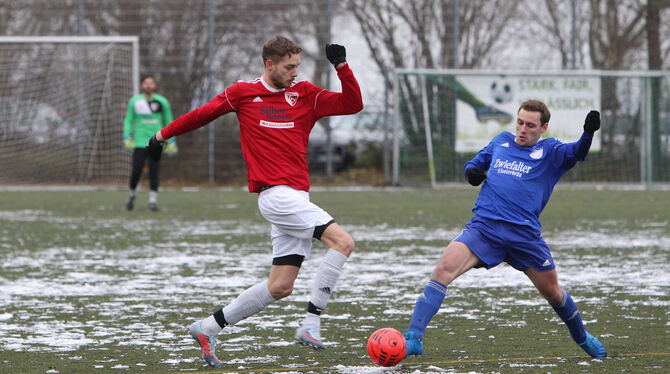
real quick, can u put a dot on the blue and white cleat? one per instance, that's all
(310, 336)
(414, 345)
(207, 344)
(593, 346)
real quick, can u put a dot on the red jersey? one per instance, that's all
(275, 124)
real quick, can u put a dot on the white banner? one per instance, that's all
(487, 105)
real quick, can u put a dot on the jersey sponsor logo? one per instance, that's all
(291, 97)
(505, 144)
(149, 121)
(258, 99)
(515, 168)
(537, 153)
(277, 125)
(273, 114)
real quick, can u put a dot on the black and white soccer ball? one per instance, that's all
(502, 90)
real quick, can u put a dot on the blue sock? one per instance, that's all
(426, 306)
(569, 313)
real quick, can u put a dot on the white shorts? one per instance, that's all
(293, 218)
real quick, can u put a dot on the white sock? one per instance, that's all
(210, 327)
(250, 302)
(324, 283)
(133, 193)
(153, 195)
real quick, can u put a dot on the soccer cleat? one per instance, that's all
(593, 346)
(414, 345)
(153, 207)
(489, 113)
(130, 204)
(207, 344)
(310, 336)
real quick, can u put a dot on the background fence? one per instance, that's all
(197, 48)
(632, 146)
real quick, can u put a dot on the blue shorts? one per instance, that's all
(497, 241)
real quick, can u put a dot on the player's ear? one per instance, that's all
(269, 64)
(545, 127)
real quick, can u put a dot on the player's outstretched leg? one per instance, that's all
(425, 308)
(326, 277)
(207, 344)
(569, 313)
(249, 302)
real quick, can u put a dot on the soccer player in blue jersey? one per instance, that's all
(519, 172)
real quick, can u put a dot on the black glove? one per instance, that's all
(475, 176)
(154, 148)
(592, 122)
(336, 54)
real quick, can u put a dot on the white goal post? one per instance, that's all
(62, 102)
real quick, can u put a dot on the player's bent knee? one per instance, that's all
(280, 290)
(445, 272)
(347, 246)
(553, 295)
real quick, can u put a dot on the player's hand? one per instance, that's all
(336, 54)
(475, 176)
(155, 148)
(592, 122)
(128, 143)
(171, 148)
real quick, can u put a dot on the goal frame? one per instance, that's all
(645, 158)
(133, 40)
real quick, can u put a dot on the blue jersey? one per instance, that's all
(519, 179)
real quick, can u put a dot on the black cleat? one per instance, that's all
(153, 207)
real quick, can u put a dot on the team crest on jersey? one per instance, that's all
(155, 106)
(537, 153)
(291, 97)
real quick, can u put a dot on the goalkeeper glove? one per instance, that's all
(475, 176)
(592, 122)
(128, 143)
(336, 54)
(154, 148)
(171, 148)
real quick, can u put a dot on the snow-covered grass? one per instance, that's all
(87, 287)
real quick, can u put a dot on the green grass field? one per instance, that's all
(86, 287)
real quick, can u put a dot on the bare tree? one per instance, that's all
(420, 34)
(551, 30)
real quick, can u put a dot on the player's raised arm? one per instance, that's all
(350, 100)
(591, 124)
(190, 121)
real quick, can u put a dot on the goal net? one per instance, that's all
(62, 104)
(443, 118)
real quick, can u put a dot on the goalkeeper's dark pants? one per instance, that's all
(139, 156)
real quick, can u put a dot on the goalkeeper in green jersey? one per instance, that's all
(147, 113)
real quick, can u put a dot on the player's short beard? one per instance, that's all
(148, 92)
(279, 83)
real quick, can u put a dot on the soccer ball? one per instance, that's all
(387, 347)
(502, 91)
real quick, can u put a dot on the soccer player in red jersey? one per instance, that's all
(276, 114)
